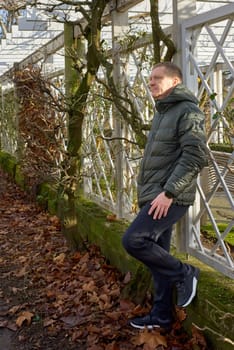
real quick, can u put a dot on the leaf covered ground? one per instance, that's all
(54, 298)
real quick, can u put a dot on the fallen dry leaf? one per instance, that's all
(150, 338)
(9, 325)
(74, 320)
(21, 272)
(89, 287)
(48, 322)
(14, 309)
(3, 323)
(112, 346)
(127, 278)
(181, 314)
(126, 305)
(59, 258)
(111, 217)
(25, 316)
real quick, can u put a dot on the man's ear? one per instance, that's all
(176, 81)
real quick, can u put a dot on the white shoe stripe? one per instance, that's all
(193, 292)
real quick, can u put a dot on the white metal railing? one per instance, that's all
(210, 81)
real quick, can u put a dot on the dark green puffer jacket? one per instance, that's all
(175, 151)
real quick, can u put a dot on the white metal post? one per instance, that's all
(182, 9)
(219, 98)
(119, 23)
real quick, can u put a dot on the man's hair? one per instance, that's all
(172, 69)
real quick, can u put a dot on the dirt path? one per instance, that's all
(52, 298)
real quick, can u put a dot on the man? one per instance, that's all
(174, 155)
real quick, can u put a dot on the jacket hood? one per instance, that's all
(178, 94)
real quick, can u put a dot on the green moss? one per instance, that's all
(95, 226)
(19, 177)
(139, 285)
(8, 163)
(212, 309)
(221, 147)
(209, 231)
(47, 197)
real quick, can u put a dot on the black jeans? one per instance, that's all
(148, 240)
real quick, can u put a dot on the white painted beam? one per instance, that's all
(210, 16)
(216, 1)
(48, 49)
(121, 5)
(25, 24)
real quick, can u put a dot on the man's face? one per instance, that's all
(160, 84)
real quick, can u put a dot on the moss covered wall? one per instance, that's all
(212, 309)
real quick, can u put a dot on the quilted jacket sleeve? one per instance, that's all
(193, 157)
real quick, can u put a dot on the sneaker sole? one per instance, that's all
(151, 327)
(145, 326)
(194, 291)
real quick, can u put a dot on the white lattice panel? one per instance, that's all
(212, 36)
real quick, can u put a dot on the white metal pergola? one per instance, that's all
(204, 36)
(36, 31)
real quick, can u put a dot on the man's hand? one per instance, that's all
(160, 206)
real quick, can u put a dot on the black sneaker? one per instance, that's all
(186, 289)
(150, 322)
